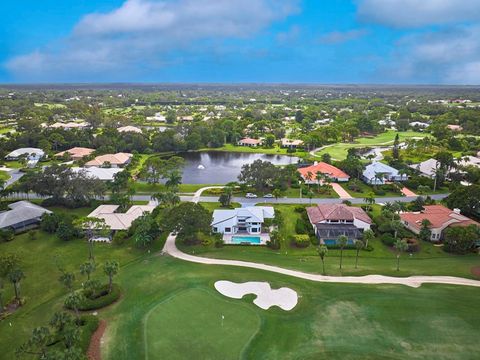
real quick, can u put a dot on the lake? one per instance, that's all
(221, 167)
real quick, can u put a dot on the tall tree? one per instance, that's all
(359, 245)
(342, 242)
(87, 269)
(322, 251)
(400, 246)
(15, 276)
(110, 269)
(368, 235)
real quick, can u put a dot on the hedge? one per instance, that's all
(89, 326)
(103, 300)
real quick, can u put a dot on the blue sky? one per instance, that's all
(297, 41)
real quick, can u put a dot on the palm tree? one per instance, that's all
(276, 193)
(73, 301)
(319, 177)
(110, 269)
(15, 276)
(342, 242)
(368, 235)
(396, 227)
(87, 268)
(370, 200)
(322, 251)
(400, 246)
(67, 279)
(309, 177)
(359, 245)
(174, 179)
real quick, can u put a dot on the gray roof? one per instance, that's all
(21, 211)
(26, 151)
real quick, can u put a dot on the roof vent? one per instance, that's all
(457, 211)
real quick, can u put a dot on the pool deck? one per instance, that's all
(264, 237)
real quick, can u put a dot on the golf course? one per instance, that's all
(170, 309)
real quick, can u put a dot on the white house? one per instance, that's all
(30, 153)
(375, 169)
(248, 220)
(95, 172)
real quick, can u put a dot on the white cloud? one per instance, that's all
(338, 37)
(145, 34)
(450, 56)
(417, 13)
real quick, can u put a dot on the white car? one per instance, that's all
(250, 196)
(268, 196)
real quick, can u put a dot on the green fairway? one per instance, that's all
(339, 151)
(170, 309)
(199, 332)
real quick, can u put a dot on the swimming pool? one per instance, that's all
(246, 239)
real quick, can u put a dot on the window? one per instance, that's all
(215, 229)
(227, 229)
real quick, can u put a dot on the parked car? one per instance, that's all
(268, 196)
(250, 195)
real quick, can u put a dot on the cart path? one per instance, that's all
(171, 249)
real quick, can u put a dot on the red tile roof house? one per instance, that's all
(330, 221)
(440, 218)
(250, 142)
(335, 174)
(114, 160)
(76, 153)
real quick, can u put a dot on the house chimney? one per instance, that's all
(457, 211)
(315, 163)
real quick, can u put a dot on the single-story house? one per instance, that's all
(104, 174)
(440, 218)
(250, 142)
(187, 118)
(158, 117)
(291, 144)
(29, 153)
(469, 161)
(114, 160)
(334, 173)
(23, 215)
(76, 153)
(246, 220)
(426, 168)
(68, 126)
(419, 124)
(455, 127)
(330, 221)
(375, 169)
(120, 221)
(129, 128)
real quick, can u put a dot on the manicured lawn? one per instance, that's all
(276, 150)
(367, 190)
(339, 151)
(4, 175)
(430, 260)
(199, 332)
(170, 309)
(145, 188)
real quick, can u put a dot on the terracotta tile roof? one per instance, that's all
(324, 168)
(438, 215)
(77, 152)
(323, 212)
(114, 159)
(250, 141)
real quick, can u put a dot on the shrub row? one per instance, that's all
(103, 300)
(89, 326)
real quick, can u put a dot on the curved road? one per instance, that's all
(413, 281)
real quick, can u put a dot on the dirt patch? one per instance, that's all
(93, 352)
(475, 271)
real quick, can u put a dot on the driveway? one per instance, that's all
(342, 193)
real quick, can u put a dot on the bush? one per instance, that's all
(379, 192)
(103, 298)
(49, 222)
(219, 243)
(275, 240)
(387, 239)
(6, 235)
(413, 245)
(301, 241)
(89, 324)
(120, 237)
(301, 227)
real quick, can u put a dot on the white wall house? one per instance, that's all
(247, 220)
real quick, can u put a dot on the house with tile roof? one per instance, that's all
(250, 142)
(291, 144)
(440, 218)
(378, 173)
(330, 221)
(76, 153)
(309, 173)
(113, 160)
(129, 128)
(120, 221)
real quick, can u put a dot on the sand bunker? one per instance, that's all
(284, 298)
